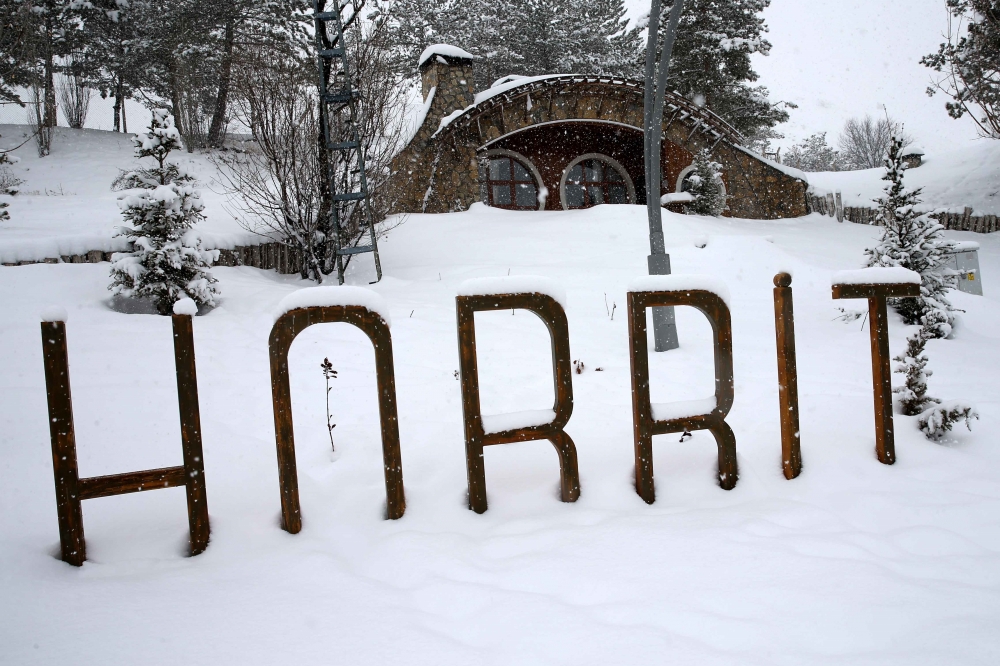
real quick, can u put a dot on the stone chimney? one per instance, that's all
(447, 71)
(913, 157)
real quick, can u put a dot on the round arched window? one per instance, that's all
(511, 184)
(592, 180)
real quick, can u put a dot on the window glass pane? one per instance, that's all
(500, 168)
(613, 174)
(521, 174)
(574, 195)
(501, 195)
(595, 171)
(527, 196)
(617, 194)
(596, 194)
(575, 174)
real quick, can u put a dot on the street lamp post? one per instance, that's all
(664, 324)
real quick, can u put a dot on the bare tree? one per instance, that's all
(74, 97)
(280, 185)
(274, 186)
(865, 142)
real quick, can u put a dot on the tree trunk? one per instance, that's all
(115, 112)
(175, 95)
(217, 130)
(51, 118)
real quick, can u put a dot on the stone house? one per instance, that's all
(566, 141)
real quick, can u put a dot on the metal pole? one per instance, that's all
(664, 323)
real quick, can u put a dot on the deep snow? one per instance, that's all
(950, 180)
(853, 562)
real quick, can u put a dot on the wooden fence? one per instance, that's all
(277, 256)
(831, 204)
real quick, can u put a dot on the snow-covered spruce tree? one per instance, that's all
(914, 241)
(912, 364)
(162, 205)
(934, 418)
(705, 184)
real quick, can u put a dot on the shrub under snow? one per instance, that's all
(939, 419)
(705, 185)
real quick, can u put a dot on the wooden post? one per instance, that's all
(67, 476)
(885, 447)
(644, 422)
(71, 490)
(831, 206)
(283, 333)
(788, 377)
(194, 463)
(476, 438)
(839, 207)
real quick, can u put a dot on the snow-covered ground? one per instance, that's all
(950, 180)
(853, 562)
(66, 205)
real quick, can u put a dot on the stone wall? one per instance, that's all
(439, 170)
(426, 161)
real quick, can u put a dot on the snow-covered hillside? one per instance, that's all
(66, 205)
(953, 179)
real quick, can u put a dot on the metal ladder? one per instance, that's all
(338, 109)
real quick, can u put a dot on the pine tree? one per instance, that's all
(524, 37)
(705, 184)
(912, 363)
(914, 241)
(934, 418)
(711, 63)
(162, 205)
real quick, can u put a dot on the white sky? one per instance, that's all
(843, 58)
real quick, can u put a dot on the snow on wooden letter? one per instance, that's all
(710, 297)
(545, 299)
(298, 311)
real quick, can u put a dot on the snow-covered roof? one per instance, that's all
(913, 150)
(444, 50)
(783, 168)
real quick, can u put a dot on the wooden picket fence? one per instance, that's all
(268, 256)
(831, 204)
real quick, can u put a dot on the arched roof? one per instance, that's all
(528, 102)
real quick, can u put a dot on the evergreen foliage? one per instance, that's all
(705, 184)
(970, 63)
(912, 364)
(523, 37)
(813, 154)
(161, 203)
(934, 418)
(937, 421)
(711, 63)
(914, 241)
